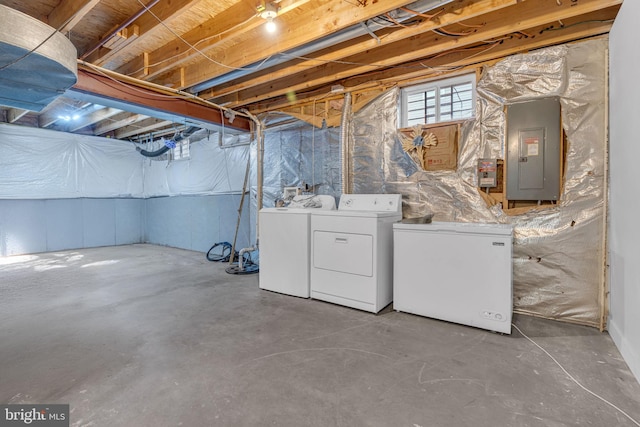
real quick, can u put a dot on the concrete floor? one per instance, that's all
(146, 335)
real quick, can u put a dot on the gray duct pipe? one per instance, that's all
(420, 6)
(162, 150)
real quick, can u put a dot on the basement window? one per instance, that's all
(181, 150)
(438, 101)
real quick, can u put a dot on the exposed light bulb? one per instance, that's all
(269, 12)
(270, 25)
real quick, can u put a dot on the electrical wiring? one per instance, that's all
(572, 378)
(395, 21)
(207, 57)
(442, 32)
(462, 24)
(563, 27)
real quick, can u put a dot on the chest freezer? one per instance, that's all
(457, 272)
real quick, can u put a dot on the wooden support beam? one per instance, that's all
(162, 101)
(530, 14)
(69, 12)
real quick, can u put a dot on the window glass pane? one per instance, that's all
(444, 100)
(416, 97)
(421, 107)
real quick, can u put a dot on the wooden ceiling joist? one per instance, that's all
(143, 127)
(305, 27)
(95, 117)
(233, 22)
(456, 61)
(451, 14)
(112, 124)
(530, 15)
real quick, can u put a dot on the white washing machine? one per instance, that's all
(352, 251)
(458, 272)
(285, 244)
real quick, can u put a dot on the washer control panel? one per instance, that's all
(371, 202)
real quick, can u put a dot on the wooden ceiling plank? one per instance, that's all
(524, 15)
(319, 22)
(166, 11)
(67, 15)
(452, 14)
(231, 23)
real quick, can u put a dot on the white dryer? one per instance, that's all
(352, 251)
(285, 244)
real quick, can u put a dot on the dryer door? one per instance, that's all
(343, 252)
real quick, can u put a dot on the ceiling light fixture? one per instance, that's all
(269, 11)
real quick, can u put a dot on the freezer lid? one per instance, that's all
(457, 227)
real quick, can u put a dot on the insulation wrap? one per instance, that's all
(558, 255)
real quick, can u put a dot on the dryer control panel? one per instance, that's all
(371, 202)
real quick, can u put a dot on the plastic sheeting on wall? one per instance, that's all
(558, 257)
(45, 164)
(209, 170)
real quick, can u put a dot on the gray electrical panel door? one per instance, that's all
(533, 150)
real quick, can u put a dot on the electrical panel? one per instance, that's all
(487, 173)
(534, 137)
